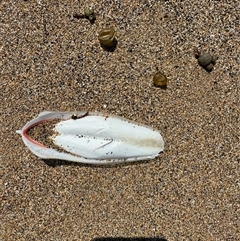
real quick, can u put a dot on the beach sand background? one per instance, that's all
(53, 61)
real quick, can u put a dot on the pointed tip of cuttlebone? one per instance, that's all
(19, 132)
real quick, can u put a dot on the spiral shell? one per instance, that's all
(107, 37)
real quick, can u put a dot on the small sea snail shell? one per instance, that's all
(89, 13)
(107, 37)
(207, 61)
(160, 80)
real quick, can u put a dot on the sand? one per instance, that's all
(50, 60)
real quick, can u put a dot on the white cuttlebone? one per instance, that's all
(95, 138)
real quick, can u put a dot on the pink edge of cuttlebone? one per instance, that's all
(24, 134)
(48, 153)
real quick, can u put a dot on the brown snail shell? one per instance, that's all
(160, 80)
(107, 37)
